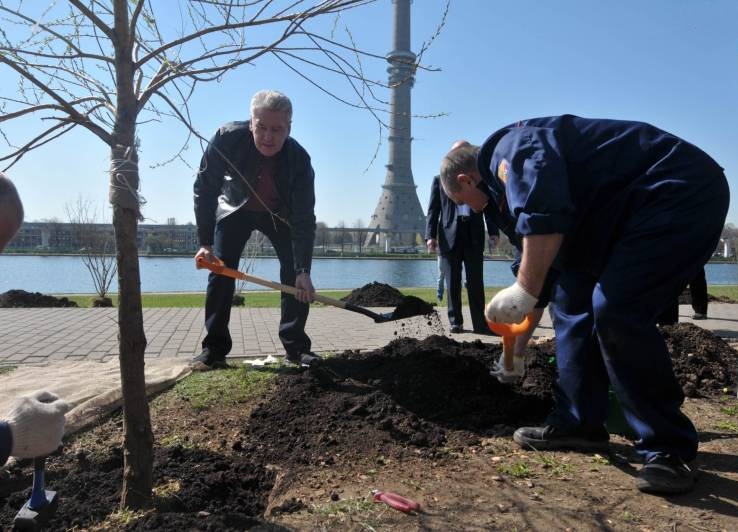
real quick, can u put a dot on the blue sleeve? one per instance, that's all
(6, 442)
(537, 186)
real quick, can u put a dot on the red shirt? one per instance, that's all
(265, 188)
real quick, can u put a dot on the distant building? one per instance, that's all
(66, 237)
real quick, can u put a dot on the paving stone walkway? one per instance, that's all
(46, 335)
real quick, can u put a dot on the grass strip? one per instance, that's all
(271, 299)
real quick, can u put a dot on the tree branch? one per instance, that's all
(98, 23)
(35, 142)
(37, 108)
(331, 7)
(74, 115)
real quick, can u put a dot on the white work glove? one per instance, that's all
(37, 424)
(510, 305)
(505, 376)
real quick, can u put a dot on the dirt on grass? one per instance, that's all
(23, 299)
(422, 418)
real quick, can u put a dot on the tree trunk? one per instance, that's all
(124, 181)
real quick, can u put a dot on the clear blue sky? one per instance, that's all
(673, 63)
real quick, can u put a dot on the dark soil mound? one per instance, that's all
(375, 295)
(704, 363)
(21, 298)
(231, 486)
(410, 392)
(410, 398)
(412, 306)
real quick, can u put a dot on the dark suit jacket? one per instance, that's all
(442, 222)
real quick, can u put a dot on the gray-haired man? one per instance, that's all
(254, 176)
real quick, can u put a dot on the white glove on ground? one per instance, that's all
(510, 305)
(37, 424)
(503, 375)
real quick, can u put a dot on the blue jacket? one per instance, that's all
(582, 177)
(230, 157)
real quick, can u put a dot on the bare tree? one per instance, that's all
(95, 246)
(111, 66)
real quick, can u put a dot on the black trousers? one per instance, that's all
(698, 293)
(231, 235)
(464, 256)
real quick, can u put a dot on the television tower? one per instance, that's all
(398, 217)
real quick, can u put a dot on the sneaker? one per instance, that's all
(550, 437)
(665, 473)
(699, 316)
(457, 329)
(207, 361)
(304, 360)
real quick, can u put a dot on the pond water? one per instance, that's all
(68, 275)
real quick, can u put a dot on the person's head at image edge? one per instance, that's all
(11, 211)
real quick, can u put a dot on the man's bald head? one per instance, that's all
(11, 211)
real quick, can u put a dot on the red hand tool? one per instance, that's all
(398, 502)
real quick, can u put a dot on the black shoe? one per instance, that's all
(699, 316)
(304, 360)
(550, 438)
(207, 361)
(666, 474)
(457, 329)
(486, 332)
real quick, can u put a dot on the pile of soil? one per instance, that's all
(704, 363)
(412, 306)
(412, 400)
(374, 295)
(23, 299)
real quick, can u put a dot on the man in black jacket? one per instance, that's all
(254, 176)
(458, 236)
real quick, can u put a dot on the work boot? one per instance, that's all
(207, 361)
(549, 437)
(666, 474)
(304, 360)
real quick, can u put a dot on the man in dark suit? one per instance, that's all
(457, 234)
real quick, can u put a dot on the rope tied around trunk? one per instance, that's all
(122, 192)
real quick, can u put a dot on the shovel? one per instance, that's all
(509, 331)
(402, 311)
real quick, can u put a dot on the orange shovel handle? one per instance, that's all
(509, 331)
(219, 267)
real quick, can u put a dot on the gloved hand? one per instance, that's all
(510, 305)
(37, 424)
(503, 375)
